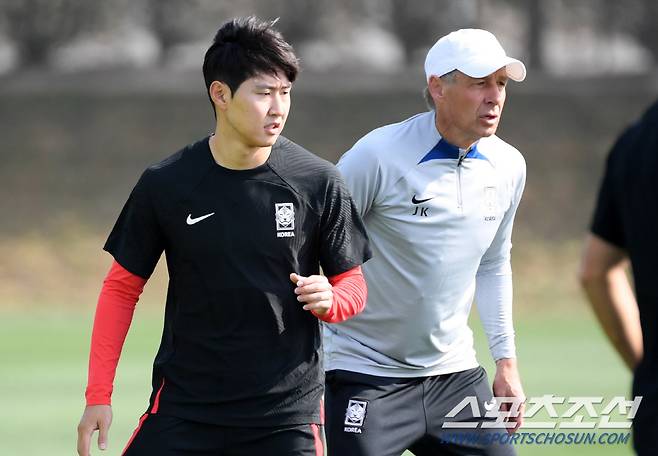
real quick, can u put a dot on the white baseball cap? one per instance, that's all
(476, 53)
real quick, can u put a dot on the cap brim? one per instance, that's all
(480, 69)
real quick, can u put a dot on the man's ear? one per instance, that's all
(220, 94)
(436, 87)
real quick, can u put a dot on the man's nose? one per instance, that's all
(495, 94)
(278, 107)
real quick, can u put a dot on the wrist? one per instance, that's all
(328, 315)
(94, 403)
(94, 396)
(506, 363)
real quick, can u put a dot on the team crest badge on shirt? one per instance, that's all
(355, 414)
(284, 214)
(490, 204)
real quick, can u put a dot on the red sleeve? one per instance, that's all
(114, 313)
(350, 293)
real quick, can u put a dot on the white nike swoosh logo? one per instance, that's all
(192, 221)
(490, 405)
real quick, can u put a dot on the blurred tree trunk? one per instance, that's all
(165, 24)
(39, 26)
(647, 31)
(637, 18)
(418, 24)
(536, 28)
(174, 22)
(299, 19)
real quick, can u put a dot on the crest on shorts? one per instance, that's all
(355, 413)
(284, 215)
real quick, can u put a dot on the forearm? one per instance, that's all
(349, 296)
(614, 305)
(493, 296)
(114, 312)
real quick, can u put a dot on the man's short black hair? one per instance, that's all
(245, 47)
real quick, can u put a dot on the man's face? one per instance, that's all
(258, 109)
(470, 108)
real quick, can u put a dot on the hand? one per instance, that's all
(315, 291)
(507, 383)
(95, 417)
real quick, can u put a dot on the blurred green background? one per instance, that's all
(44, 355)
(74, 156)
(91, 94)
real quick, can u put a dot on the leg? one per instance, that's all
(372, 416)
(645, 430)
(170, 436)
(292, 440)
(442, 394)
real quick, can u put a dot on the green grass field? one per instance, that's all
(44, 358)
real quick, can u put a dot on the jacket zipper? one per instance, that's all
(462, 156)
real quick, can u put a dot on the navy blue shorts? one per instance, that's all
(165, 435)
(380, 416)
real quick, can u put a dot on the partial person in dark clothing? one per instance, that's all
(625, 230)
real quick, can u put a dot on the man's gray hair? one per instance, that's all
(449, 78)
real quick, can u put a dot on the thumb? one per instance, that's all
(103, 429)
(294, 277)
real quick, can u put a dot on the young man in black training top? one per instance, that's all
(245, 218)
(624, 228)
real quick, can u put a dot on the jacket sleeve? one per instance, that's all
(493, 292)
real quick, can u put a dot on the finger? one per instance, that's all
(321, 307)
(317, 278)
(314, 297)
(521, 417)
(103, 430)
(517, 424)
(312, 288)
(84, 439)
(298, 279)
(518, 419)
(314, 279)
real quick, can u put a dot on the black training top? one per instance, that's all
(237, 348)
(627, 216)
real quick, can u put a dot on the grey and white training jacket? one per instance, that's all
(440, 222)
